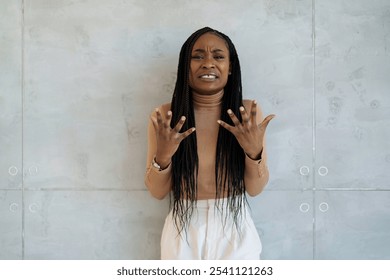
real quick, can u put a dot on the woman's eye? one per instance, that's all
(196, 57)
(219, 57)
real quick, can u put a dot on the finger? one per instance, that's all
(245, 117)
(154, 122)
(226, 126)
(168, 119)
(187, 133)
(159, 116)
(254, 111)
(234, 118)
(180, 124)
(266, 121)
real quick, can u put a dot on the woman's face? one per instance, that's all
(210, 65)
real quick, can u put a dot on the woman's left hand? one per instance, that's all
(249, 134)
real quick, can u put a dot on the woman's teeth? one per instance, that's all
(209, 77)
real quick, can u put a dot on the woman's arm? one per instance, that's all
(163, 142)
(158, 182)
(256, 171)
(250, 134)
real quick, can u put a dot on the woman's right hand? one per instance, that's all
(168, 139)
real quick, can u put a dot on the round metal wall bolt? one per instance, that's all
(323, 171)
(13, 207)
(323, 207)
(33, 207)
(304, 170)
(13, 171)
(304, 207)
(33, 170)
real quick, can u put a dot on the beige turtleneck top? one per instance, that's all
(207, 111)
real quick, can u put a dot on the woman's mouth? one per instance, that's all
(208, 77)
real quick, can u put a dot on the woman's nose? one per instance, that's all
(208, 63)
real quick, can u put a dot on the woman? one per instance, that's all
(207, 171)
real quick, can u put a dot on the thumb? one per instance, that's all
(266, 121)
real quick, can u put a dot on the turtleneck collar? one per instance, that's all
(207, 101)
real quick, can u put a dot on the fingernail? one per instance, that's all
(230, 112)
(183, 118)
(218, 121)
(242, 109)
(255, 102)
(156, 109)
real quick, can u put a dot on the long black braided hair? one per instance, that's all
(230, 157)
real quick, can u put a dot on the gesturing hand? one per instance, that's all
(168, 139)
(249, 134)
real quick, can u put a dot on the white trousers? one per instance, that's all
(211, 237)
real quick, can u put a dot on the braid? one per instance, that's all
(230, 157)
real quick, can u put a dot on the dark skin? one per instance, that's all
(209, 70)
(168, 139)
(248, 133)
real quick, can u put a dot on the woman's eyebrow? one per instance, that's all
(213, 51)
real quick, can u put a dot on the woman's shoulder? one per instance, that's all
(248, 106)
(247, 103)
(164, 108)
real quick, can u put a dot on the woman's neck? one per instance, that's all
(207, 101)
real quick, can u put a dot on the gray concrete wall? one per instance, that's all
(79, 78)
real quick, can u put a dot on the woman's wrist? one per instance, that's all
(163, 163)
(255, 156)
